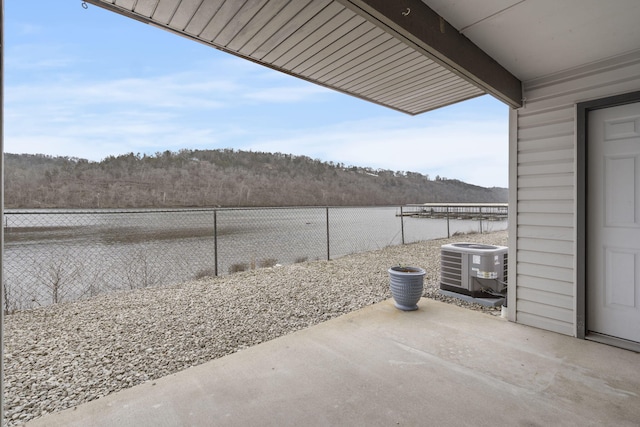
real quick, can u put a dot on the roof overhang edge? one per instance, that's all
(421, 27)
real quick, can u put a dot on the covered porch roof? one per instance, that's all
(409, 55)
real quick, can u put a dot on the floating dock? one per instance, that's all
(470, 211)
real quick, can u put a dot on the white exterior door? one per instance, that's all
(613, 222)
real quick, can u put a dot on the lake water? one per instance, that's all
(61, 255)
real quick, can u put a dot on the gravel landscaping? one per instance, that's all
(61, 356)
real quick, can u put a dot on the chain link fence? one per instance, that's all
(62, 255)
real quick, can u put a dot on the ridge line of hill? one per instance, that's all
(223, 177)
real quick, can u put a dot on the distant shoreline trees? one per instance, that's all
(224, 177)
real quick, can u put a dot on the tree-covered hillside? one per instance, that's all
(207, 178)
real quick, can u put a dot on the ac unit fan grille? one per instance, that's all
(451, 268)
(505, 270)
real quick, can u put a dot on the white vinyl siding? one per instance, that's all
(545, 185)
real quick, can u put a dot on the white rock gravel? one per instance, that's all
(60, 356)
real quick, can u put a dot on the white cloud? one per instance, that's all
(40, 57)
(28, 29)
(286, 94)
(95, 116)
(475, 152)
(153, 93)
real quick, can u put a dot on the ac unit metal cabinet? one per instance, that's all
(473, 269)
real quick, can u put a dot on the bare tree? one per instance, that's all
(58, 276)
(140, 271)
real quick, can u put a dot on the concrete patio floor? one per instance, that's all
(441, 365)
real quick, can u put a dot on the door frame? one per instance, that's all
(582, 239)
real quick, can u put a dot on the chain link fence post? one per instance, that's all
(402, 224)
(328, 241)
(215, 241)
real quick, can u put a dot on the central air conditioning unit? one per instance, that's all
(473, 269)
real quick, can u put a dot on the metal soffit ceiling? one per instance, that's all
(322, 41)
(409, 55)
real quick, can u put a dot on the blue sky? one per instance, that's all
(90, 83)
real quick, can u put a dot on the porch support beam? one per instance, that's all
(421, 27)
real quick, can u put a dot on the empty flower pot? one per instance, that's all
(406, 285)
